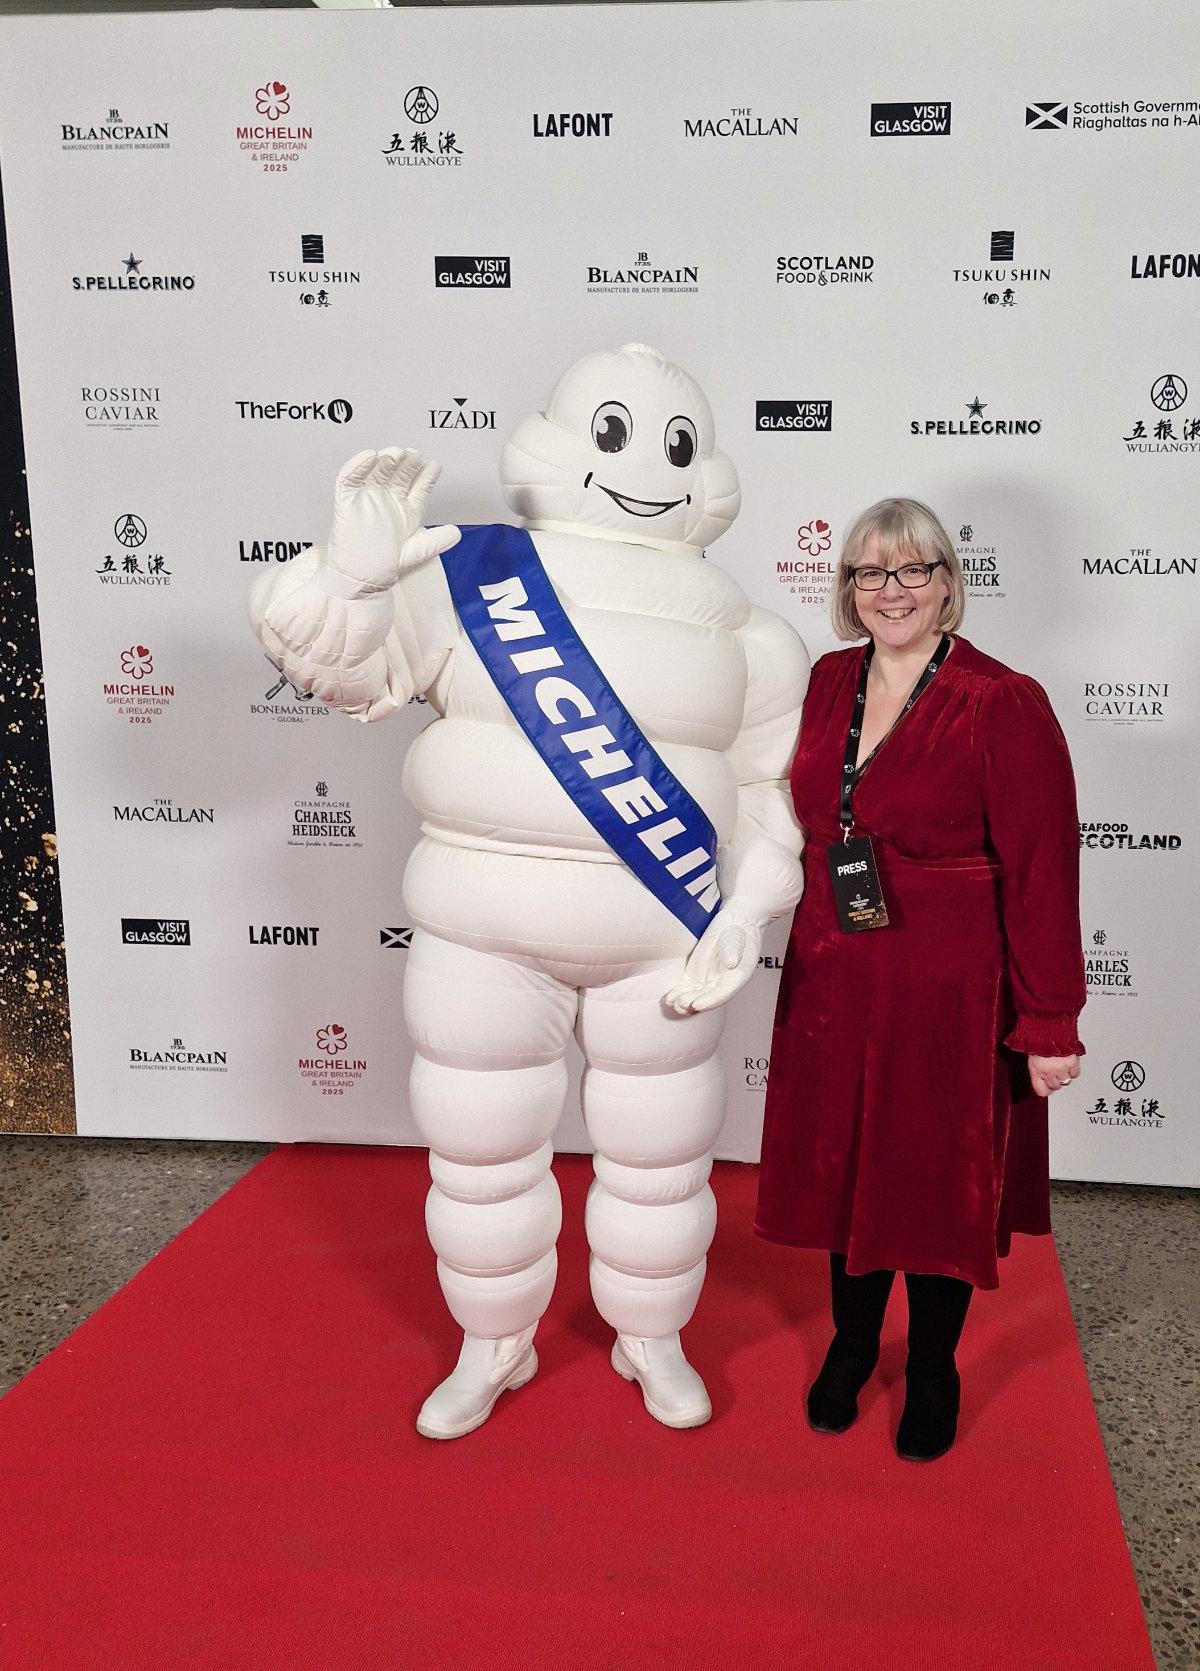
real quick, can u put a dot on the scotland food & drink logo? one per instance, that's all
(794, 416)
(1126, 701)
(1000, 281)
(1103, 115)
(162, 810)
(322, 821)
(641, 277)
(572, 124)
(980, 564)
(1172, 431)
(271, 550)
(1108, 967)
(131, 280)
(125, 406)
(472, 272)
(418, 144)
(1119, 838)
(331, 1070)
(284, 702)
(281, 410)
(1132, 1103)
(177, 1057)
(272, 143)
(1141, 561)
(156, 931)
(284, 934)
(116, 134)
(808, 574)
(135, 697)
(128, 563)
(458, 415)
(977, 424)
(314, 282)
(910, 121)
(824, 269)
(741, 122)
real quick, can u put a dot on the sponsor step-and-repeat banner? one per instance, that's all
(245, 246)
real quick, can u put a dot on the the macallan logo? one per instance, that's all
(741, 122)
(1140, 561)
(162, 810)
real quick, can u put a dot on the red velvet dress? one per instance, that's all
(901, 1128)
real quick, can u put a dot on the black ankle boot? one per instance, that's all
(833, 1396)
(929, 1424)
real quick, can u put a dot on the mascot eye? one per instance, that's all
(611, 427)
(681, 442)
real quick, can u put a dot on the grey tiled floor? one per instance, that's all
(79, 1216)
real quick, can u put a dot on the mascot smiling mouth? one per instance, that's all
(637, 507)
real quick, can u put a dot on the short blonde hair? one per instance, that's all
(909, 531)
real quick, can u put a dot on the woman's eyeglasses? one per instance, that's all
(911, 576)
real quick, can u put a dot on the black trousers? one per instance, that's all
(937, 1310)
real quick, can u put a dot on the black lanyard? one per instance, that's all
(851, 773)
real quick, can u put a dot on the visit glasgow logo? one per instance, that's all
(898, 121)
(794, 415)
(472, 272)
(156, 931)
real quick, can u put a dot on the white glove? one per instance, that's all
(725, 957)
(378, 504)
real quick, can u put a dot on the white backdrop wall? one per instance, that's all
(999, 308)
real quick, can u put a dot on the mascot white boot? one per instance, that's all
(607, 829)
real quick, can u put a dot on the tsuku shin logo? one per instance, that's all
(129, 564)
(315, 283)
(999, 282)
(425, 146)
(273, 145)
(332, 1070)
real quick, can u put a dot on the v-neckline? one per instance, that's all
(906, 708)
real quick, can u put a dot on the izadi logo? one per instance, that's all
(793, 415)
(116, 134)
(133, 278)
(472, 272)
(421, 106)
(335, 411)
(573, 124)
(978, 425)
(156, 931)
(458, 417)
(1166, 266)
(892, 121)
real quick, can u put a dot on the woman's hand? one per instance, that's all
(1051, 1073)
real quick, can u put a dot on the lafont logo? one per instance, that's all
(271, 551)
(573, 124)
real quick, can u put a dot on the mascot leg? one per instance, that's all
(487, 1087)
(654, 1100)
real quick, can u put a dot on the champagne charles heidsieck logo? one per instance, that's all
(1108, 967)
(128, 562)
(331, 1068)
(177, 1057)
(136, 696)
(1131, 1102)
(115, 133)
(642, 277)
(428, 139)
(980, 564)
(323, 821)
(1171, 431)
(273, 142)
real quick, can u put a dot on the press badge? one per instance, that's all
(856, 889)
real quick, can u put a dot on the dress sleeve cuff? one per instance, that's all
(1046, 1035)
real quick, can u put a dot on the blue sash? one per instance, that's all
(578, 724)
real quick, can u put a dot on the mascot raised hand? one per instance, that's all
(607, 828)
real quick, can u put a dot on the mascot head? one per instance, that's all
(625, 450)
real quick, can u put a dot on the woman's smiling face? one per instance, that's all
(898, 616)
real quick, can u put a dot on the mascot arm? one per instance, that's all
(759, 867)
(760, 871)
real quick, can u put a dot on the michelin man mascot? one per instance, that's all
(606, 826)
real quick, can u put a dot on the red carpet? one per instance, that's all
(219, 1469)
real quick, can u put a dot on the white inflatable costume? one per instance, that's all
(529, 926)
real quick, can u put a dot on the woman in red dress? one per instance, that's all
(906, 1120)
